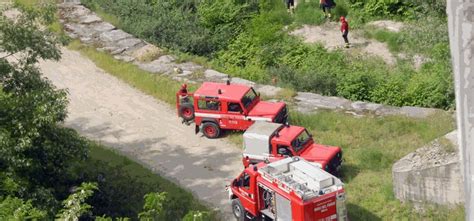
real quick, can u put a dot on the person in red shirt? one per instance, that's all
(345, 30)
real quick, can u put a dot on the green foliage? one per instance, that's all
(200, 28)
(15, 209)
(197, 216)
(74, 205)
(154, 206)
(309, 13)
(123, 184)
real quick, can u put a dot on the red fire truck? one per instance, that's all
(272, 141)
(290, 189)
(217, 106)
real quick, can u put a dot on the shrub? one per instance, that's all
(358, 85)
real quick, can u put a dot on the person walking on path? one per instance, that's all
(326, 6)
(345, 30)
(290, 5)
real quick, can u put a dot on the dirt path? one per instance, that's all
(329, 35)
(107, 110)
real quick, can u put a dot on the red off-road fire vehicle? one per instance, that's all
(271, 141)
(224, 106)
(290, 189)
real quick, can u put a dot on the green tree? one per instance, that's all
(74, 205)
(197, 216)
(153, 207)
(12, 208)
(36, 153)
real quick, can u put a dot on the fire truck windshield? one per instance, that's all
(300, 141)
(248, 98)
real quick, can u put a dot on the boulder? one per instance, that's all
(268, 90)
(148, 52)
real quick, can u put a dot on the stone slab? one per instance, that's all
(214, 75)
(235, 80)
(311, 101)
(102, 27)
(89, 19)
(114, 35)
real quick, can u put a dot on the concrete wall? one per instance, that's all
(441, 185)
(430, 174)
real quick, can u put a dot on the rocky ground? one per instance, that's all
(329, 35)
(81, 23)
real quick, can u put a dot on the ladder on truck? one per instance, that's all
(303, 178)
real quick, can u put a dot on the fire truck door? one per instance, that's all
(246, 191)
(283, 208)
(234, 117)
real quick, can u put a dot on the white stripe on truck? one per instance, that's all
(233, 117)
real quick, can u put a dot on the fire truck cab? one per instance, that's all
(217, 106)
(271, 141)
(290, 189)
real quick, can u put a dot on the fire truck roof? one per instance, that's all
(228, 92)
(288, 133)
(301, 177)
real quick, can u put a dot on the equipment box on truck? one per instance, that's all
(217, 106)
(290, 189)
(272, 141)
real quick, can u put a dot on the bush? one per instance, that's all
(358, 85)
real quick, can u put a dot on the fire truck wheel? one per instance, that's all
(238, 210)
(186, 111)
(211, 130)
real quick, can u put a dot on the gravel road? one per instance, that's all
(107, 110)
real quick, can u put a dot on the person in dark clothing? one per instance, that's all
(290, 5)
(345, 31)
(326, 6)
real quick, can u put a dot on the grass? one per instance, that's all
(371, 144)
(133, 181)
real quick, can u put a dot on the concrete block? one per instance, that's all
(431, 174)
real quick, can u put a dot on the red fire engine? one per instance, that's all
(272, 141)
(290, 189)
(217, 106)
